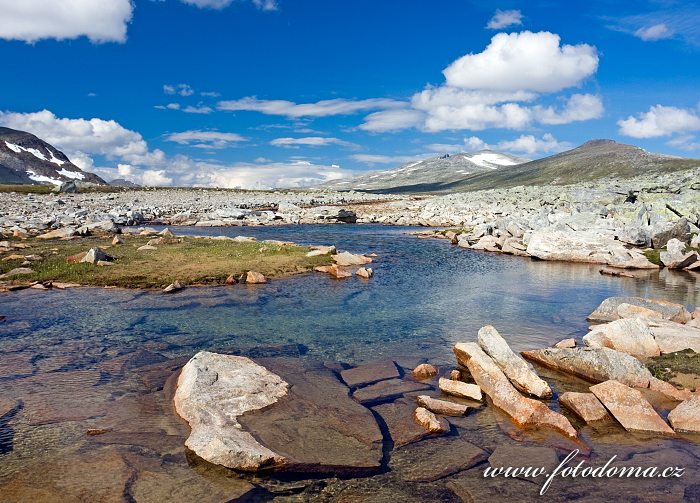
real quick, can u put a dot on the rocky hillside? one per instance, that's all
(594, 160)
(416, 176)
(26, 159)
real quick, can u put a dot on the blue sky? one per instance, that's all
(262, 93)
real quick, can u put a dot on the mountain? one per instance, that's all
(26, 159)
(446, 169)
(591, 161)
(123, 182)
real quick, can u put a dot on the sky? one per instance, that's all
(287, 93)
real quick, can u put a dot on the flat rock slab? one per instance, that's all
(586, 406)
(370, 373)
(686, 416)
(8, 405)
(608, 309)
(631, 336)
(524, 456)
(185, 485)
(442, 407)
(525, 412)
(672, 337)
(213, 390)
(317, 427)
(594, 364)
(434, 459)
(513, 366)
(398, 418)
(460, 389)
(387, 390)
(630, 408)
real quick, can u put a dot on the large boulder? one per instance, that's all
(675, 256)
(525, 412)
(213, 391)
(585, 246)
(630, 408)
(593, 364)
(350, 259)
(513, 366)
(686, 416)
(672, 337)
(608, 310)
(95, 255)
(631, 336)
(663, 232)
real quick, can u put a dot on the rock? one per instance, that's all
(255, 278)
(435, 459)
(675, 256)
(424, 371)
(609, 271)
(13, 257)
(663, 232)
(586, 406)
(213, 390)
(173, 287)
(630, 408)
(118, 240)
(460, 389)
(585, 246)
(232, 279)
(323, 268)
(104, 263)
(370, 373)
(686, 416)
(669, 390)
(179, 484)
(365, 273)
(487, 243)
(525, 412)
(18, 271)
(104, 226)
(524, 456)
(515, 368)
(338, 272)
(146, 248)
(566, 344)
(455, 375)
(166, 233)
(429, 421)
(387, 390)
(95, 255)
(442, 407)
(593, 364)
(75, 259)
(62, 233)
(8, 405)
(672, 337)
(334, 213)
(608, 309)
(632, 311)
(349, 259)
(629, 336)
(318, 428)
(398, 418)
(321, 250)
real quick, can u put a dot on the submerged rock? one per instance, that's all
(442, 407)
(593, 364)
(460, 389)
(514, 367)
(370, 373)
(398, 418)
(630, 408)
(524, 411)
(213, 390)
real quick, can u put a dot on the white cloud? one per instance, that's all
(524, 61)
(205, 139)
(475, 143)
(387, 159)
(579, 107)
(655, 32)
(524, 144)
(33, 20)
(181, 89)
(392, 120)
(267, 5)
(169, 106)
(660, 121)
(322, 108)
(686, 142)
(310, 141)
(504, 18)
(199, 109)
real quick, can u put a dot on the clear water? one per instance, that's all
(425, 296)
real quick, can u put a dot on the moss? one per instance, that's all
(666, 366)
(653, 256)
(190, 261)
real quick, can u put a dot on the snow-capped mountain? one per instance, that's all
(428, 172)
(26, 159)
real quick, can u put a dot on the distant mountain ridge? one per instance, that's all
(594, 160)
(26, 159)
(444, 169)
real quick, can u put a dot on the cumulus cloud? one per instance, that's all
(497, 87)
(181, 89)
(503, 18)
(310, 141)
(290, 109)
(199, 109)
(686, 142)
(221, 4)
(387, 159)
(524, 61)
(205, 139)
(660, 121)
(655, 32)
(528, 145)
(33, 20)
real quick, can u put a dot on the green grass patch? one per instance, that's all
(653, 256)
(191, 261)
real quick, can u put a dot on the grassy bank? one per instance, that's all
(190, 261)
